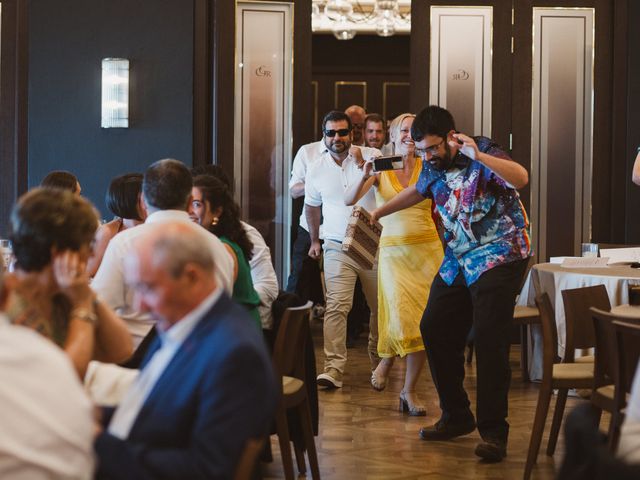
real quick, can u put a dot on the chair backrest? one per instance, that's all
(549, 335)
(604, 370)
(627, 335)
(628, 349)
(247, 463)
(283, 301)
(579, 324)
(523, 280)
(289, 348)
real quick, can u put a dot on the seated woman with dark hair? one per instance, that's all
(124, 199)
(213, 207)
(263, 274)
(63, 180)
(51, 232)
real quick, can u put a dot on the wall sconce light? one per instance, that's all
(115, 93)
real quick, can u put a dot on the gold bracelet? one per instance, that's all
(85, 315)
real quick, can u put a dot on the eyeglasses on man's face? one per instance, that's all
(341, 132)
(432, 150)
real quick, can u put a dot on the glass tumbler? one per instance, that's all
(589, 249)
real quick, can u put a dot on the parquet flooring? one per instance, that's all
(364, 436)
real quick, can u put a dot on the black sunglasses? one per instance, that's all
(343, 132)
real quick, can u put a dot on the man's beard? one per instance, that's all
(338, 146)
(443, 163)
(375, 143)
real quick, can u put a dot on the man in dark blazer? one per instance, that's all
(207, 384)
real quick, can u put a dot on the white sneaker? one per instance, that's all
(329, 379)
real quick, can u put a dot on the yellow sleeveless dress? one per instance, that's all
(410, 255)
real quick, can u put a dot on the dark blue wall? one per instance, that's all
(67, 41)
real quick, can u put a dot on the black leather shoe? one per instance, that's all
(492, 450)
(446, 430)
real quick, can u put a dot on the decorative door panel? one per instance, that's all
(561, 129)
(461, 65)
(262, 148)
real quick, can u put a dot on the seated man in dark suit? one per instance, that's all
(207, 383)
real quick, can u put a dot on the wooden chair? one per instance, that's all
(289, 359)
(561, 376)
(579, 334)
(523, 316)
(604, 373)
(580, 331)
(248, 459)
(628, 353)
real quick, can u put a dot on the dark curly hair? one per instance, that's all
(215, 171)
(217, 194)
(122, 196)
(432, 120)
(44, 218)
(336, 116)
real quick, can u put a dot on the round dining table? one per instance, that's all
(552, 278)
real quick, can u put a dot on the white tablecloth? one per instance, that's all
(552, 279)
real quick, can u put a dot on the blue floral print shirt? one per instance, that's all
(485, 224)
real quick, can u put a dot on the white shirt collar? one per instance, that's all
(180, 330)
(322, 147)
(167, 215)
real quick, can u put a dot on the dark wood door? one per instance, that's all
(13, 106)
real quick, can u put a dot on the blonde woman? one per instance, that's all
(409, 257)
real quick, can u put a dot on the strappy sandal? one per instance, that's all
(406, 405)
(378, 381)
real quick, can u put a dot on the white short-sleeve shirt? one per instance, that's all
(109, 282)
(326, 185)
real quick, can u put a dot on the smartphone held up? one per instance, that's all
(392, 162)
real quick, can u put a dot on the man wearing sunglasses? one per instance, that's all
(326, 182)
(472, 183)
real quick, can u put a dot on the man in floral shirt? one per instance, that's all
(472, 183)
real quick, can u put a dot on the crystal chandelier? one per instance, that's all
(345, 18)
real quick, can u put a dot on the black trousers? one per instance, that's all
(451, 311)
(304, 279)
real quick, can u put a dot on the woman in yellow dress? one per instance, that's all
(409, 256)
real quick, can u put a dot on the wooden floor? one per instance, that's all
(364, 436)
